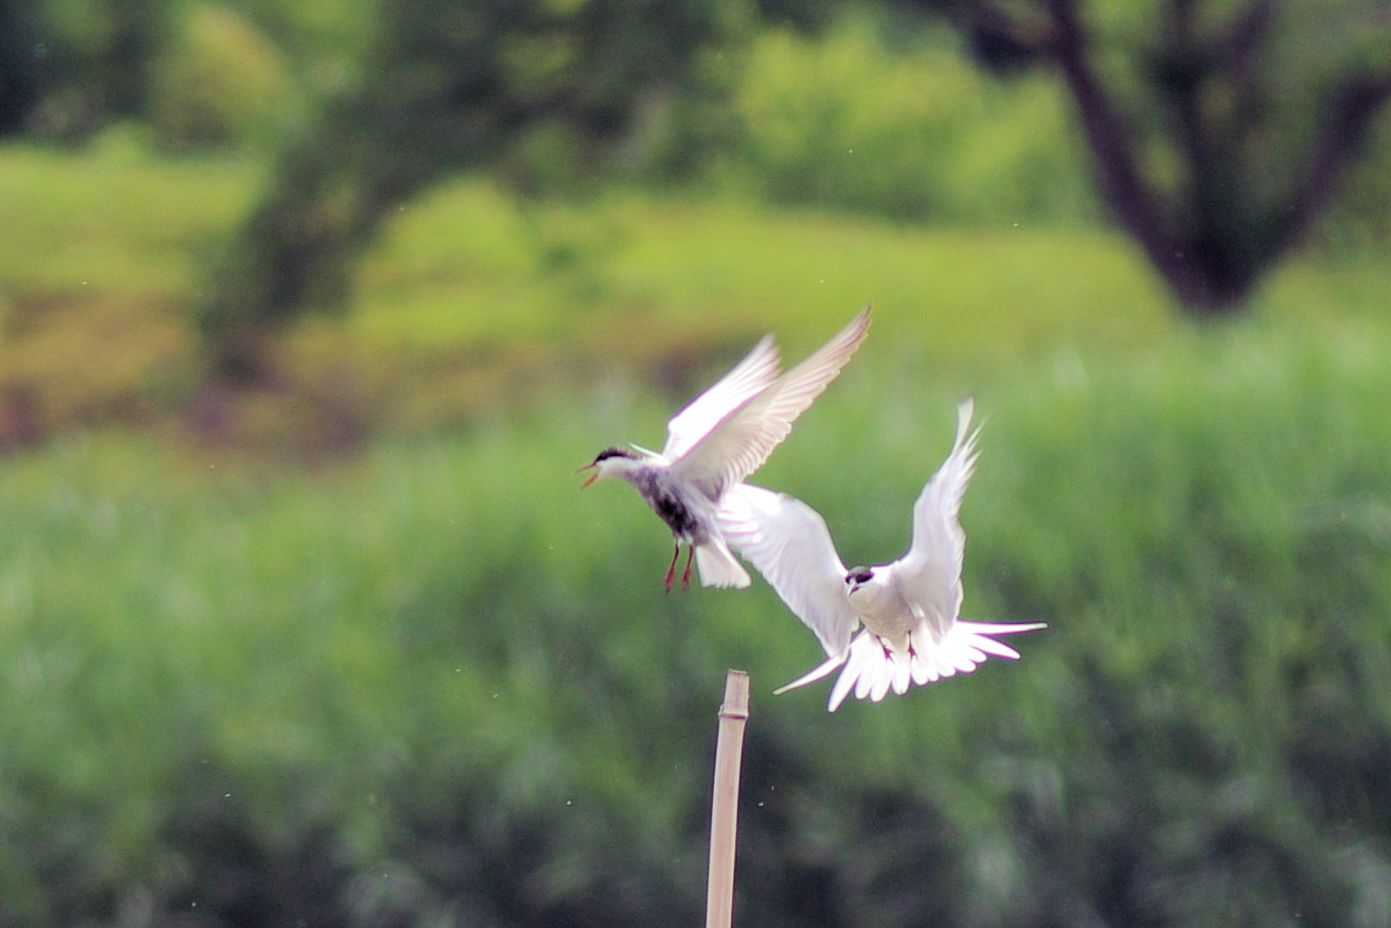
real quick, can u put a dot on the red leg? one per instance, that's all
(686, 575)
(671, 569)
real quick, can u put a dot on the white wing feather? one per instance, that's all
(740, 442)
(754, 373)
(788, 542)
(929, 575)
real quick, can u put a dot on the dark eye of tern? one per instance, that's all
(859, 575)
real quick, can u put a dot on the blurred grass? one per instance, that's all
(445, 625)
(113, 221)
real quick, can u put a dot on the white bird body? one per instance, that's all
(718, 439)
(881, 607)
(907, 611)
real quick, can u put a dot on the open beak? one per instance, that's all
(592, 477)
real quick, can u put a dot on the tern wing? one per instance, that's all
(788, 542)
(929, 575)
(740, 442)
(755, 372)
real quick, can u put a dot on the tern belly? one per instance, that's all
(679, 513)
(882, 610)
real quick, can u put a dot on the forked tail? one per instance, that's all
(873, 667)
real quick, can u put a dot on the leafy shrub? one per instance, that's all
(220, 83)
(851, 120)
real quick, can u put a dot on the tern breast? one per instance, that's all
(678, 506)
(882, 608)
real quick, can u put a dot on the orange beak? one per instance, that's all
(592, 477)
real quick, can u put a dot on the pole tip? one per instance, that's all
(736, 695)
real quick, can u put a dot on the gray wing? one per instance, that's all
(929, 575)
(740, 443)
(788, 542)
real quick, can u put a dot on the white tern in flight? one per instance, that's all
(718, 439)
(909, 609)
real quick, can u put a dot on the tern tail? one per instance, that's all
(718, 567)
(873, 667)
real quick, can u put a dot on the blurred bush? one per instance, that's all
(437, 686)
(220, 83)
(907, 128)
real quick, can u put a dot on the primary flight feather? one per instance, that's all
(908, 611)
(718, 439)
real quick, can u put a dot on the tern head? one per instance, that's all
(608, 463)
(857, 577)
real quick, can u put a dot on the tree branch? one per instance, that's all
(1204, 155)
(1354, 109)
(1235, 54)
(1126, 190)
(999, 40)
(1245, 34)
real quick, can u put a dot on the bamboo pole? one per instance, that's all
(724, 805)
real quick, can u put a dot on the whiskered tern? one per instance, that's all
(909, 609)
(718, 439)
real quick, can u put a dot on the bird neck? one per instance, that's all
(626, 468)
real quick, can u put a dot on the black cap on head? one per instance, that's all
(859, 575)
(613, 453)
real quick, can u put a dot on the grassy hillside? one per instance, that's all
(470, 294)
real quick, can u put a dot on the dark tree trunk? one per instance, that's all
(1209, 236)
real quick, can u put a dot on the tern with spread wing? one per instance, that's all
(718, 439)
(909, 609)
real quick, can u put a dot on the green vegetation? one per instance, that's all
(916, 133)
(436, 682)
(470, 293)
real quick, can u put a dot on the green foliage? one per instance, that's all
(849, 119)
(438, 685)
(445, 87)
(322, 40)
(219, 84)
